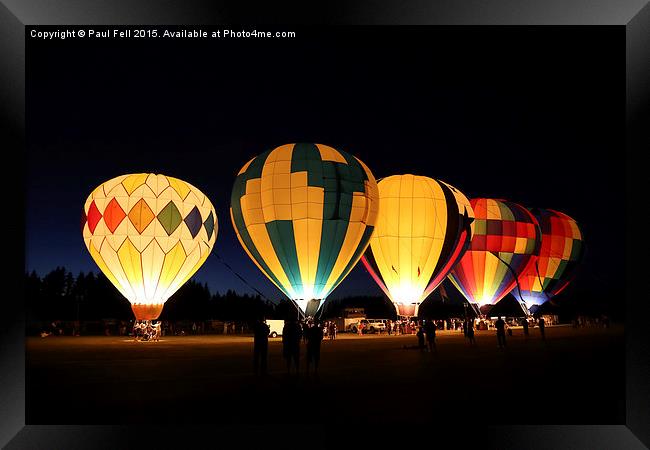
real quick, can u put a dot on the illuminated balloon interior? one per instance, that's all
(423, 229)
(148, 234)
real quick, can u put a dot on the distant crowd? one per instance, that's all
(129, 328)
(586, 321)
(329, 327)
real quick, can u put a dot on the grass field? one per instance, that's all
(575, 376)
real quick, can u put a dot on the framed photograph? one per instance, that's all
(314, 225)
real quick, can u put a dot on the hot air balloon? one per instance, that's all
(505, 243)
(560, 253)
(423, 229)
(304, 214)
(148, 234)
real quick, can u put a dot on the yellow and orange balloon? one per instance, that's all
(423, 229)
(148, 233)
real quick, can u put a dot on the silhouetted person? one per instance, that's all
(331, 332)
(541, 328)
(260, 347)
(430, 330)
(156, 332)
(501, 332)
(138, 330)
(148, 330)
(469, 329)
(525, 325)
(420, 335)
(314, 339)
(291, 336)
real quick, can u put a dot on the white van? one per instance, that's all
(275, 327)
(369, 326)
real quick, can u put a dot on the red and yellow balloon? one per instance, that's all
(560, 254)
(505, 244)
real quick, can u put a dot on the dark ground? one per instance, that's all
(575, 377)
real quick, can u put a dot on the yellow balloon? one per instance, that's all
(423, 229)
(148, 233)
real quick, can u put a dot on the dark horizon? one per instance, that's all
(521, 114)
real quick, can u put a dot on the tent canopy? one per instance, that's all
(547, 308)
(446, 303)
(508, 306)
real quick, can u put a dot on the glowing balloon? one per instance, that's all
(505, 243)
(149, 234)
(304, 213)
(560, 253)
(423, 229)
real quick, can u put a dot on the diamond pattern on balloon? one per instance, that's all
(209, 225)
(113, 215)
(94, 216)
(193, 221)
(141, 215)
(170, 218)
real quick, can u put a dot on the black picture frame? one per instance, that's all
(634, 15)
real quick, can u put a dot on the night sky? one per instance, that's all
(533, 115)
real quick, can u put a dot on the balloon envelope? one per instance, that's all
(506, 239)
(560, 253)
(423, 229)
(148, 234)
(304, 213)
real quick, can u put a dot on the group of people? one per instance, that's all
(501, 327)
(294, 333)
(410, 326)
(468, 331)
(393, 327)
(401, 326)
(329, 329)
(428, 331)
(586, 321)
(144, 330)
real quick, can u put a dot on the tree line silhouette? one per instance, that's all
(59, 295)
